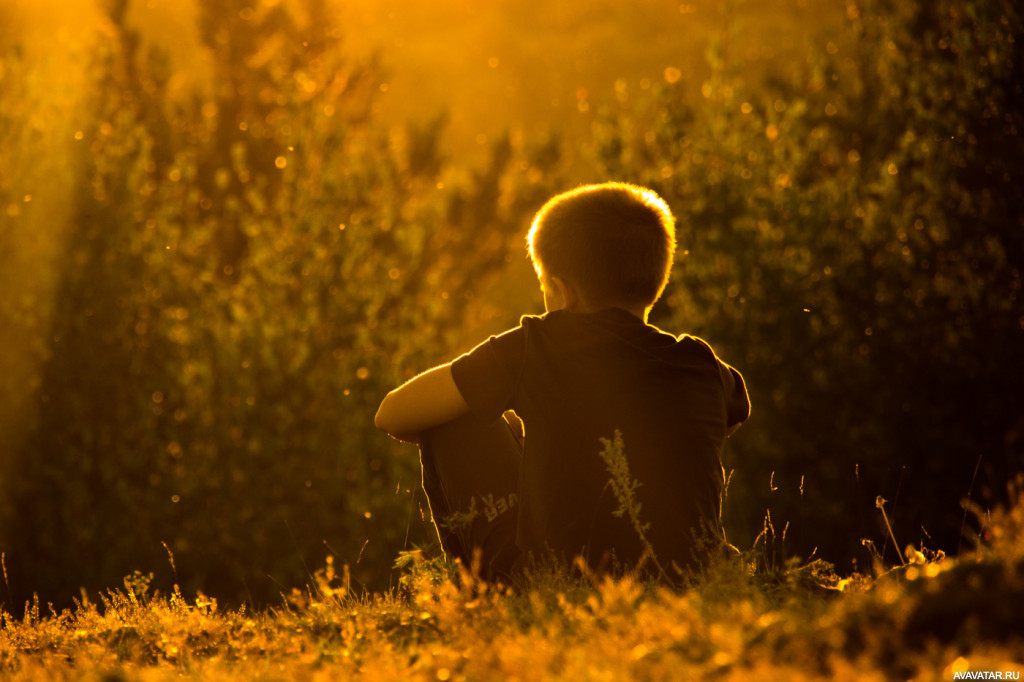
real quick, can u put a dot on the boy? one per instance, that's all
(587, 368)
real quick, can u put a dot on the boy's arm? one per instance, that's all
(427, 400)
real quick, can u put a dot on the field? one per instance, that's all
(228, 229)
(932, 619)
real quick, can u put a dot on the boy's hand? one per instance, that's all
(515, 424)
(427, 400)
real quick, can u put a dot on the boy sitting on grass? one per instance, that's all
(588, 367)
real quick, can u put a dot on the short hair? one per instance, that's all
(614, 242)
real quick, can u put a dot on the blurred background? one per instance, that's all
(227, 229)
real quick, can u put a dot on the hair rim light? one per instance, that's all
(556, 234)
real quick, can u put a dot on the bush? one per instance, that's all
(247, 274)
(854, 245)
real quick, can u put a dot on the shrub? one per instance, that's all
(246, 275)
(854, 246)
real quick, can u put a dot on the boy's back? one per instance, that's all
(575, 378)
(588, 368)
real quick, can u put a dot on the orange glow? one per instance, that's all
(492, 66)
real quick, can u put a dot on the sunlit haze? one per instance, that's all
(492, 67)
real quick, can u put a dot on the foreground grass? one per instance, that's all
(928, 621)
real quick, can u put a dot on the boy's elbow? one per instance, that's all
(387, 421)
(384, 419)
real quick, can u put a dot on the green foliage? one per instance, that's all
(852, 241)
(247, 273)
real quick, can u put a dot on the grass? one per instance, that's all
(925, 621)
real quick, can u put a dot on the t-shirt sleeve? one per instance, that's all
(488, 376)
(737, 403)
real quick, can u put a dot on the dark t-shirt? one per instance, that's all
(576, 378)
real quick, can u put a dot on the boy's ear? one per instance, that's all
(567, 293)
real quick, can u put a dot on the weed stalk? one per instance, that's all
(880, 503)
(624, 486)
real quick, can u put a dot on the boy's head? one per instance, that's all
(613, 242)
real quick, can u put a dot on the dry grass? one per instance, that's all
(925, 621)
